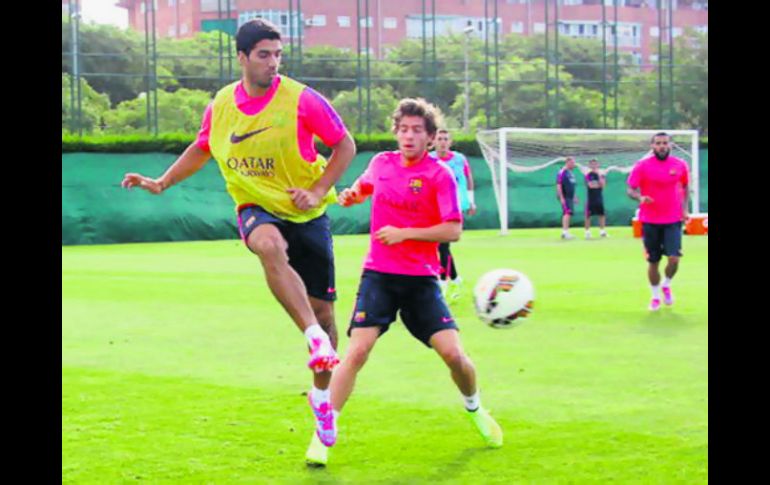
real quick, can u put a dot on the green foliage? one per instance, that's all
(382, 102)
(406, 71)
(179, 111)
(93, 107)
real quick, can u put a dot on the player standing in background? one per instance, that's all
(660, 184)
(414, 207)
(449, 277)
(260, 131)
(595, 183)
(565, 191)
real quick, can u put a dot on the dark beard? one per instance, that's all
(663, 157)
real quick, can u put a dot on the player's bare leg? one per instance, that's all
(286, 285)
(565, 227)
(602, 222)
(362, 340)
(447, 345)
(588, 225)
(653, 274)
(670, 271)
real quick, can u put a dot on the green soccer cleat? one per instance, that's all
(488, 427)
(317, 454)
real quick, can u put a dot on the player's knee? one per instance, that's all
(455, 358)
(269, 248)
(357, 356)
(673, 260)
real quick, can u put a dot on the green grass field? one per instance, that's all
(178, 367)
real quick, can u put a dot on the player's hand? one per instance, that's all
(304, 199)
(645, 199)
(152, 186)
(685, 215)
(472, 210)
(349, 197)
(389, 235)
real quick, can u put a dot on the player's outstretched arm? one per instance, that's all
(187, 164)
(445, 232)
(352, 195)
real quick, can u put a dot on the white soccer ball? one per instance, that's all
(503, 298)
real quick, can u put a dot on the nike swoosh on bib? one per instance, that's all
(239, 138)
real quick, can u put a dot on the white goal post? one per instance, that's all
(531, 149)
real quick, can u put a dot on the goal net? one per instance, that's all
(509, 151)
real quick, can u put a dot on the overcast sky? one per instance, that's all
(104, 12)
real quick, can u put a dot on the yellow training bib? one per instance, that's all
(259, 155)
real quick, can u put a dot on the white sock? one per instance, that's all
(666, 282)
(473, 402)
(336, 414)
(319, 396)
(655, 291)
(315, 331)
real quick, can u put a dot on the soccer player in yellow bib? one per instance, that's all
(260, 131)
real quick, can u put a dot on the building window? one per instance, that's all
(366, 22)
(171, 31)
(653, 58)
(654, 32)
(319, 20)
(677, 31)
(343, 21)
(390, 23)
(595, 30)
(290, 26)
(171, 3)
(183, 29)
(517, 27)
(539, 27)
(213, 5)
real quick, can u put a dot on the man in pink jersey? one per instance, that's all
(260, 131)
(660, 184)
(414, 207)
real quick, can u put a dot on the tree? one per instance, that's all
(180, 111)
(111, 59)
(383, 102)
(640, 97)
(93, 107)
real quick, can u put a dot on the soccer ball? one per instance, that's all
(503, 298)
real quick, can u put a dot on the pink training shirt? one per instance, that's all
(315, 116)
(421, 195)
(665, 181)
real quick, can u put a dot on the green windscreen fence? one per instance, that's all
(96, 210)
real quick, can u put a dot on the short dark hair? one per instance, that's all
(443, 130)
(417, 107)
(253, 31)
(660, 133)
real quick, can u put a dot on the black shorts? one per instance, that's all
(418, 298)
(310, 248)
(595, 208)
(660, 239)
(568, 207)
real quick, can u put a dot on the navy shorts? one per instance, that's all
(595, 208)
(660, 239)
(418, 298)
(310, 249)
(569, 206)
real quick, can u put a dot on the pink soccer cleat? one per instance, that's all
(322, 355)
(668, 297)
(325, 424)
(655, 304)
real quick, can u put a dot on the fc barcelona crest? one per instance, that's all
(415, 185)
